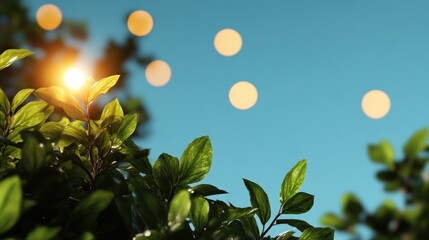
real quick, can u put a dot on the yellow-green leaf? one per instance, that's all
(11, 55)
(20, 97)
(101, 87)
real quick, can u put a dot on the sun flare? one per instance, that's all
(74, 78)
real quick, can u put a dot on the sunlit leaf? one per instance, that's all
(101, 87)
(31, 114)
(4, 103)
(43, 233)
(293, 181)
(179, 209)
(286, 235)
(196, 160)
(317, 234)
(199, 213)
(20, 97)
(382, 153)
(112, 108)
(11, 55)
(128, 126)
(416, 143)
(10, 202)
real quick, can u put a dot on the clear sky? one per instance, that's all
(311, 61)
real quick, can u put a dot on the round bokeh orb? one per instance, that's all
(140, 23)
(158, 73)
(228, 42)
(243, 95)
(49, 17)
(376, 104)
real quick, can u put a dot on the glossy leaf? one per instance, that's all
(199, 213)
(60, 98)
(416, 143)
(128, 126)
(112, 108)
(179, 209)
(259, 199)
(166, 173)
(20, 97)
(300, 203)
(196, 160)
(31, 114)
(286, 235)
(293, 181)
(10, 202)
(43, 233)
(382, 153)
(87, 211)
(299, 224)
(101, 87)
(206, 190)
(11, 55)
(317, 234)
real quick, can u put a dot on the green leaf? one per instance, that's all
(286, 235)
(4, 103)
(20, 97)
(148, 235)
(43, 233)
(299, 224)
(351, 206)
(77, 134)
(52, 130)
(179, 209)
(112, 108)
(60, 98)
(317, 234)
(10, 202)
(199, 213)
(87, 211)
(166, 173)
(196, 160)
(416, 143)
(259, 199)
(35, 152)
(206, 190)
(250, 227)
(382, 153)
(332, 220)
(101, 87)
(237, 213)
(128, 126)
(11, 55)
(31, 114)
(149, 206)
(300, 203)
(293, 181)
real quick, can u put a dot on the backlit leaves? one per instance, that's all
(196, 160)
(293, 181)
(11, 55)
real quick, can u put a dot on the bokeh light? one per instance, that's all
(49, 17)
(228, 42)
(140, 23)
(74, 78)
(376, 104)
(243, 95)
(158, 73)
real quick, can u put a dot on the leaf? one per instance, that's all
(206, 190)
(10, 202)
(31, 114)
(250, 227)
(382, 153)
(351, 206)
(300, 203)
(179, 209)
(4, 103)
(299, 224)
(87, 211)
(52, 130)
(416, 143)
(60, 98)
(20, 97)
(112, 108)
(196, 160)
(166, 173)
(286, 235)
(149, 206)
(128, 126)
(43, 233)
(11, 55)
(237, 213)
(148, 235)
(259, 199)
(332, 220)
(317, 234)
(34, 153)
(101, 87)
(77, 134)
(293, 181)
(199, 213)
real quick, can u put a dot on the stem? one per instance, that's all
(91, 158)
(271, 224)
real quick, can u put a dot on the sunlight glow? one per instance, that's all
(74, 78)
(228, 42)
(158, 73)
(140, 23)
(49, 17)
(376, 104)
(243, 95)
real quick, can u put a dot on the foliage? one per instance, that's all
(84, 178)
(407, 176)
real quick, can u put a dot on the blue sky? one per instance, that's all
(311, 61)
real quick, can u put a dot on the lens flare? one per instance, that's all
(74, 78)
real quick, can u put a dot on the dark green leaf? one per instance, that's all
(35, 152)
(148, 235)
(293, 181)
(196, 160)
(52, 130)
(4, 103)
(259, 199)
(149, 206)
(317, 234)
(10, 202)
(250, 227)
(7, 142)
(76, 133)
(416, 143)
(300, 203)
(87, 211)
(206, 190)
(199, 213)
(43, 233)
(237, 213)
(351, 206)
(20, 97)
(31, 114)
(11, 55)
(299, 224)
(332, 220)
(382, 153)
(166, 173)
(179, 209)
(128, 126)
(101, 87)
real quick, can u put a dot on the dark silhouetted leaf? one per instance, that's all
(300, 203)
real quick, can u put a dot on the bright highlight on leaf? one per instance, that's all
(376, 104)
(243, 95)
(140, 23)
(74, 78)
(228, 42)
(49, 17)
